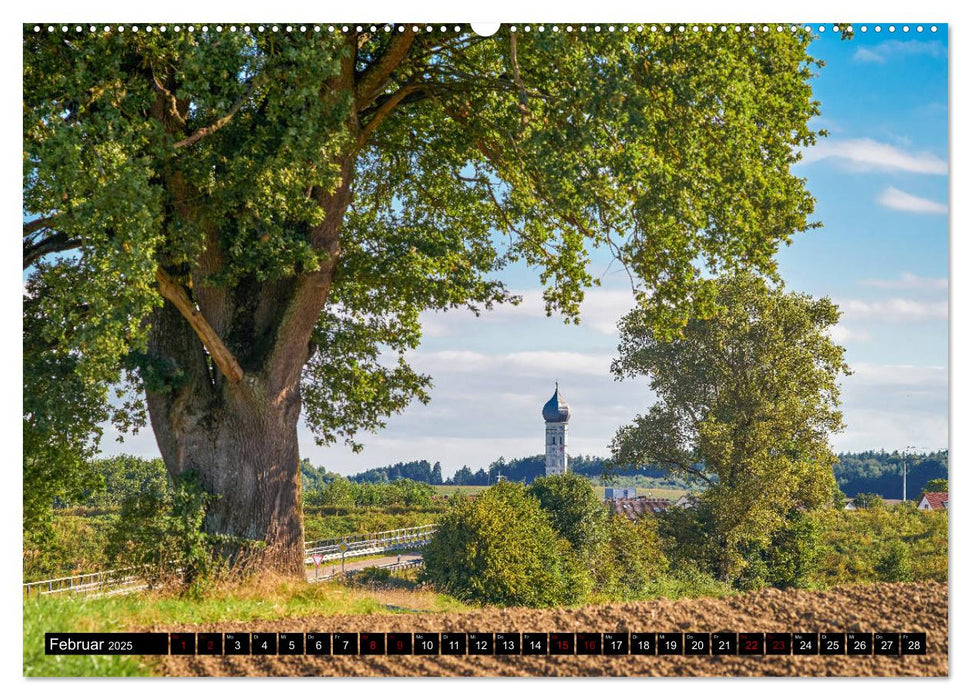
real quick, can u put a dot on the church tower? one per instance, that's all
(556, 413)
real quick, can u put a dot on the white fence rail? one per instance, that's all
(369, 543)
(100, 582)
(119, 581)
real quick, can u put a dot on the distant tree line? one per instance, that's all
(420, 470)
(523, 469)
(870, 472)
(881, 472)
(878, 472)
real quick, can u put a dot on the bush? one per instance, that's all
(502, 549)
(629, 560)
(575, 509)
(160, 536)
(867, 501)
(885, 544)
(343, 493)
(789, 559)
(894, 565)
(65, 546)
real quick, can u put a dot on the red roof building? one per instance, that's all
(933, 501)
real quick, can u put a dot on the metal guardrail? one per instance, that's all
(101, 582)
(118, 581)
(369, 543)
(394, 566)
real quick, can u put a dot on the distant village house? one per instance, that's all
(933, 501)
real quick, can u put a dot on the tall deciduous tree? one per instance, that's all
(240, 222)
(746, 403)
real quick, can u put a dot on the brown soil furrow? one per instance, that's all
(919, 607)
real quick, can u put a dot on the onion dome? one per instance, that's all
(556, 409)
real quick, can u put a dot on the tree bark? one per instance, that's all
(231, 359)
(227, 407)
(241, 442)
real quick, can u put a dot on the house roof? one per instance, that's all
(936, 500)
(636, 508)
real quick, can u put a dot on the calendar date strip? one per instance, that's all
(488, 643)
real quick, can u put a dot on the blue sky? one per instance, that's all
(881, 184)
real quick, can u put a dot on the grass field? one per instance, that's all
(258, 600)
(465, 490)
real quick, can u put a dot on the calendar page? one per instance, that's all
(514, 349)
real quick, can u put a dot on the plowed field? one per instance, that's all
(918, 607)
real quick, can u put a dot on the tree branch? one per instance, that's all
(36, 225)
(372, 81)
(222, 121)
(169, 103)
(58, 242)
(220, 354)
(384, 110)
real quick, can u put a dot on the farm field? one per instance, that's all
(917, 607)
(448, 490)
(650, 491)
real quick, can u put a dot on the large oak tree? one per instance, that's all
(241, 226)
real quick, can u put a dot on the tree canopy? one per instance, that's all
(746, 403)
(245, 226)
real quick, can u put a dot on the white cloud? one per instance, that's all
(537, 363)
(842, 334)
(600, 311)
(894, 310)
(892, 406)
(892, 198)
(914, 376)
(869, 155)
(909, 280)
(894, 48)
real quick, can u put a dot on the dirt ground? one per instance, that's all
(920, 607)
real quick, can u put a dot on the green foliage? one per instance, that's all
(218, 158)
(867, 501)
(159, 535)
(789, 559)
(62, 414)
(894, 564)
(313, 478)
(340, 493)
(344, 493)
(881, 472)
(66, 545)
(489, 550)
(628, 563)
(864, 546)
(578, 514)
(124, 476)
(935, 486)
(502, 549)
(747, 400)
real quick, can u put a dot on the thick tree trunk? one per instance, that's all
(239, 438)
(225, 362)
(240, 435)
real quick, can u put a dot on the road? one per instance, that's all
(330, 569)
